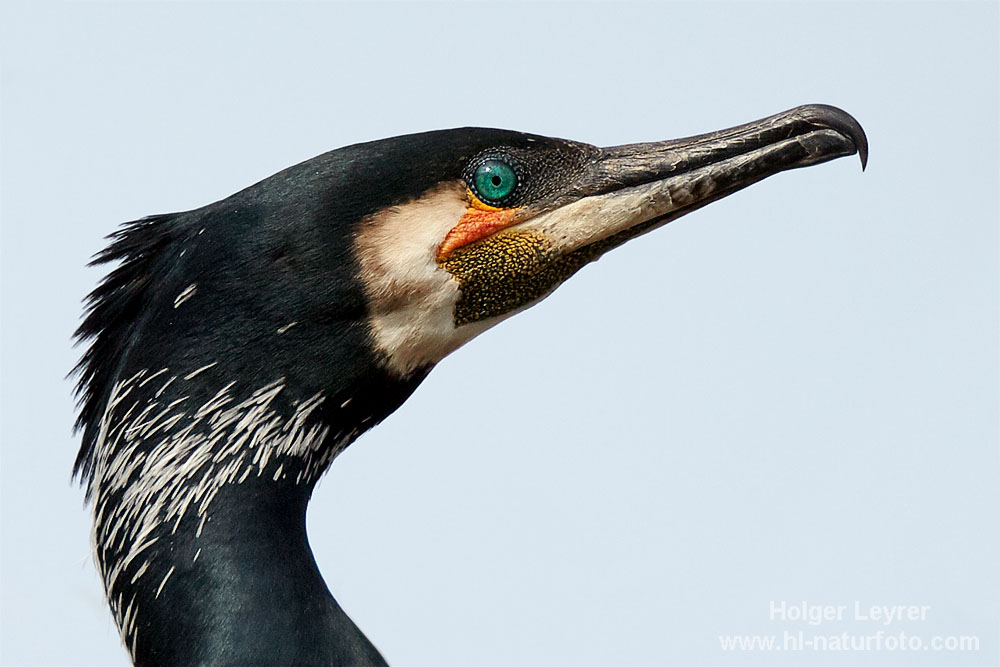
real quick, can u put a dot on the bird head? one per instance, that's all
(507, 217)
(351, 274)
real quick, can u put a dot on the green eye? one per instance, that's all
(494, 180)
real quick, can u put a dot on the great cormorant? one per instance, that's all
(238, 347)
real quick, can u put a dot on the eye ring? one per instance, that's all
(494, 179)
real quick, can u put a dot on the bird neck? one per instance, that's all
(200, 490)
(242, 587)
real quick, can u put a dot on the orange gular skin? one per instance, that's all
(480, 220)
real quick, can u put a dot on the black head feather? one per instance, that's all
(113, 314)
(276, 252)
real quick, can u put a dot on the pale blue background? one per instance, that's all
(790, 395)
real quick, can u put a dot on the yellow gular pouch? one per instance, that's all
(506, 271)
(498, 274)
(515, 268)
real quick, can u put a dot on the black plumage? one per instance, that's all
(237, 348)
(296, 226)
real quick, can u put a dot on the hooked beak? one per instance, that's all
(631, 189)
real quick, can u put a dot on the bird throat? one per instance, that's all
(513, 269)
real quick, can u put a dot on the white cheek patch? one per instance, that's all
(412, 299)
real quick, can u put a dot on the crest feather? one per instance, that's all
(112, 315)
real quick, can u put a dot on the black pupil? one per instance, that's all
(496, 180)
